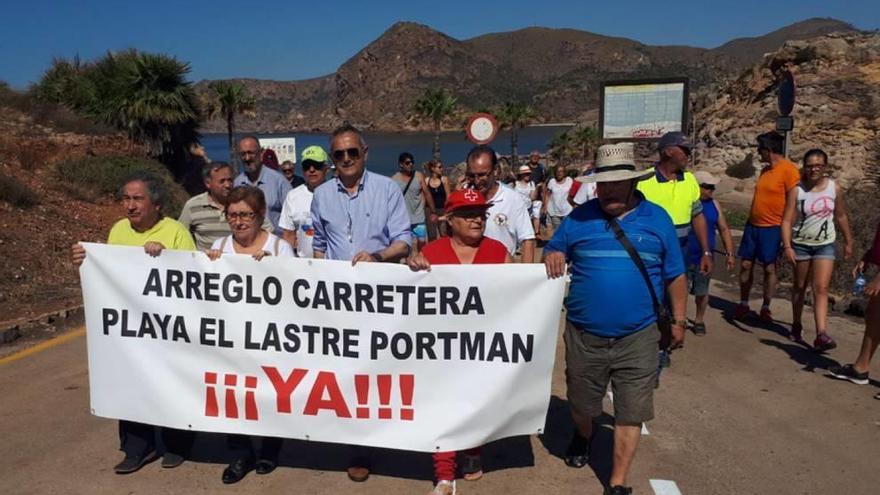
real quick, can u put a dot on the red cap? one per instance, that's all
(466, 198)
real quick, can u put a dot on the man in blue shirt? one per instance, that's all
(611, 332)
(358, 215)
(274, 185)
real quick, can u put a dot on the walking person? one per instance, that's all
(715, 221)
(508, 221)
(808, 236)
(438, 187)
(857, 371)
(246, 212)
(415, 195)
(762, 235)
(555, 204)
(529, 190)
(624, 252)
(361, 217)
(466, 214)
(143, 198)
(296, 214)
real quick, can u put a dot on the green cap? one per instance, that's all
(315, 154)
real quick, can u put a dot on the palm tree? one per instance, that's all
(560, 147)
(515, 115)
(586, 139)
(227, 99)
(436, 104)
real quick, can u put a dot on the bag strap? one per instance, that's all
(405, 189)
(634, 255)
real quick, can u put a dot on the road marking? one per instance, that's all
(664, 487)
(42, 346)
(645, 429)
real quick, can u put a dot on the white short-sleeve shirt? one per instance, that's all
(296, 216)
(509, 222)
(274, 245)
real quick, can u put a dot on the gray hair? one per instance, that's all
(345, 129)
(156, 187)
(211, 167)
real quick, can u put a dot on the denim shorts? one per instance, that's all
(698, 284)
(803, 252)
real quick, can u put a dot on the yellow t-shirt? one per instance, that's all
(167, 231)
(680, 198)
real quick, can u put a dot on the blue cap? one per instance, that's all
(674, 139)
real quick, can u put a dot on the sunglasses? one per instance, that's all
(353, 153)
(287, 170)
(708, 187)
(318, 166)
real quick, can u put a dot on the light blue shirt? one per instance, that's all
(370, 220)
(275, 187)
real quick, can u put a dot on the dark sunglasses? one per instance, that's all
(318, 166)
(339, 155)
(708, 187)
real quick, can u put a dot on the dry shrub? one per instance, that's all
(17, 193)
(744, 169)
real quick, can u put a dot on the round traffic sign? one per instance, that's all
(481, 128)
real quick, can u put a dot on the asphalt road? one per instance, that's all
(742, 411)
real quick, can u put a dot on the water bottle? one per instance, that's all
(859, 286)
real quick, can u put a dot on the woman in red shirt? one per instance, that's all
(857, 372)
(466, 214)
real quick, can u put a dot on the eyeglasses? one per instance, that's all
(708, 187)
(471, 215)
(242, 215)
(317, 166)
(287, 171)
(353, 153)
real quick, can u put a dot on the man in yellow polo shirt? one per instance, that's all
(143, 196)
(676, 190)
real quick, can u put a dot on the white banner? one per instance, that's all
(372, 355)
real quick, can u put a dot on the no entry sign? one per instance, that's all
(481, 128)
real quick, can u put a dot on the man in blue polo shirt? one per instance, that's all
(611, 331)
(274, 185)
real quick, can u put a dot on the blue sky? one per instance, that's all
(289, 40)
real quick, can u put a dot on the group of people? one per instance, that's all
(619, 231)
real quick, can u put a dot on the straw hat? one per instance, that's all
(615, 162)
(524, 169)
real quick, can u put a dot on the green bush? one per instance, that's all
(16, 193)
(744, 169)
(103, 175)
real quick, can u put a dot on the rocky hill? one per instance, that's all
(556, 70)
(838, 106)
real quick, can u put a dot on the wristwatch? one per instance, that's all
(680, 323)
(707, 253)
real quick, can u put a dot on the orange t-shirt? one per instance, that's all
(769, 201)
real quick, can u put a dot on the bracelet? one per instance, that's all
(680, 323)
(707, 253)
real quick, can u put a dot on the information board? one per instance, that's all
(284, 148)
(642, 109)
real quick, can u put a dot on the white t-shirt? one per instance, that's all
(509, 221)
(275, 245)
(586, 192)
(558, 205)
(525, 189)
(296, 216)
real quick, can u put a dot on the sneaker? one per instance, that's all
(577, 455)
(132, 463)
(766, 315)
(444, 487)
(742, 312)
(797, 332)
(699, 329)
(618, 490)
(847, 372)
(823, 342)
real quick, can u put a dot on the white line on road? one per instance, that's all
(664, 487)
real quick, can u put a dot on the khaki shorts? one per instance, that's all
(629, 363)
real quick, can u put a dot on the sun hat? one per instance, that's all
(524, 169)
(314, 154)
(615, 162)
(704, 177)
(466, 199)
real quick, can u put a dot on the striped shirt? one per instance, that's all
(206, 220)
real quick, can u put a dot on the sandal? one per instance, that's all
(578, 453)
(699, 329)
(444, 487)
(473, 467)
